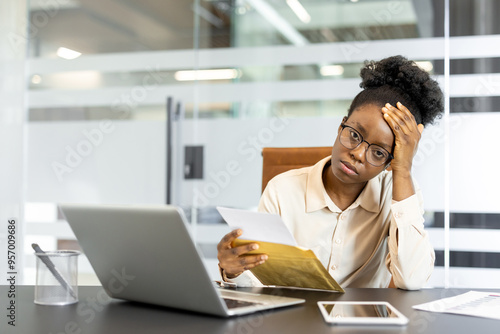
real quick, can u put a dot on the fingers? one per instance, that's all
(228, 239)
(255, 261)
(250, 261)
(420, 128)
(231, 254)
(240, 250)
(235, 260)
(400, 119)
(406, 132)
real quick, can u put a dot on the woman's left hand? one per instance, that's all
(407, 135)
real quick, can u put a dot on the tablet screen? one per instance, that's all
(361, 312)
(358, 310)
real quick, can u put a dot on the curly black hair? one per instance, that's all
(396, 79)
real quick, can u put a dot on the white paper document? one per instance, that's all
(473, 303)
(259, 226)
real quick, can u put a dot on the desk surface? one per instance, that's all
(96, 313)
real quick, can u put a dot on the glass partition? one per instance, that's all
(12, 145)
(240, 75)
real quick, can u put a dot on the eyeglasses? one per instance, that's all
(375, 155)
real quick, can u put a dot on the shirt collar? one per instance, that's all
(316, 196)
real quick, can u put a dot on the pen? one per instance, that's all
(50, 265)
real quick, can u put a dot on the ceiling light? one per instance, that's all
(330, 70)
(36, 79)
(241, 10)
(68, 53)
(274, 18)
(299, 10)
(425, 65)
(220, 74)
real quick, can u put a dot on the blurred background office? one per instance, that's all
(171, 101)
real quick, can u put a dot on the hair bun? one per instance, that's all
(414, 82)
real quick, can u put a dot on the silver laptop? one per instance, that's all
(146, 254)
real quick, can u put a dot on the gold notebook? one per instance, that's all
(291, 266)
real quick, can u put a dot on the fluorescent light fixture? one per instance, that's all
(299, 10)
(274, 18)
(330, 70)
(57, 6)
(425, 65)
(68, 53)
(219, 74)
(74, 80)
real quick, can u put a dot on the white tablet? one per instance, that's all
(361, 313)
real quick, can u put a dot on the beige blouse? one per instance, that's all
(361, 246)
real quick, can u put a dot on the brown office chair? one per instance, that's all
(277, 160)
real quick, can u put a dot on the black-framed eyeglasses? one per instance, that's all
(375, 155)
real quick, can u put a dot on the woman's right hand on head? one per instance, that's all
(234, 260)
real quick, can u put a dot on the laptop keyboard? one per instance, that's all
(234, 303)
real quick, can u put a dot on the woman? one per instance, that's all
(359, 210)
